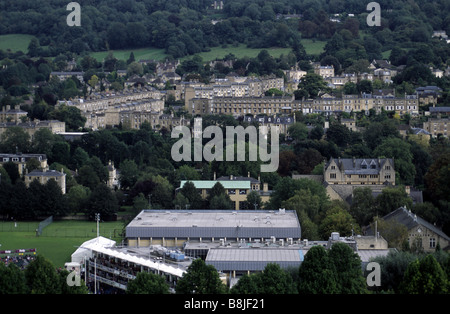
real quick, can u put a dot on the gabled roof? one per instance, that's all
(360, 165)
(411, 220)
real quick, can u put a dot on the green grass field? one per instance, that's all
(311, 47)
(58, 240)
(15, 42)
(142, 53)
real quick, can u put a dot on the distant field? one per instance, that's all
(15, 42)
(239, 51)
(311, 47)
(142, 53)
(58, 241)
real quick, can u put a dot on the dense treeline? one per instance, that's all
(184, 27)
(35, 275)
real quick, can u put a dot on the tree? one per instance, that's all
(34, 47)
(70, 115)
(200, 279)
(41, 277)
(347, 265)
(395, 233)
(102, 200)
(218, 198)
(186, 172)
(376, 132)
(304, 202)
(339, 134)
(286, 188)
(436, 178)
(401, 152)
(12, 279)
(70, 289)
(147, 283)
(99, 168)
(313, 84)
(191, 193)
(15, 139)
(392, 198)
(88, 177)
(53, 199)
(128, 174)
(93, 81)
(363, 205)
(77, 198)
(393, 267)
(337, 219)
(12, 172)
(424, 277)
(117, 35)
(272, 280)
(254, 200)
(221, 201)
(316, 273)
(162, 196)
(298, 131)
(79, 158)
(134, 68)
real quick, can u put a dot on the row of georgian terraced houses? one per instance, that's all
(276, 105)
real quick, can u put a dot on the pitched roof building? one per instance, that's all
(419, 230)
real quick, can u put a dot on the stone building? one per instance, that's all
(43, 176)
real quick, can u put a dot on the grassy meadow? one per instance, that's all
(311, 47)
(15, 42)
(20, 42)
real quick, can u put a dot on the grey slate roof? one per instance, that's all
(356, 165)
(253, 259)
(50, 173)
(410, 220)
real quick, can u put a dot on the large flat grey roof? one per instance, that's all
(214, 223)
(253, 259)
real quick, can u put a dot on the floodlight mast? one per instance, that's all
(97, 217)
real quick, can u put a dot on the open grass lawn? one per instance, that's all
(58, 240)
(141, 53)
(15, 42)
(311, 47)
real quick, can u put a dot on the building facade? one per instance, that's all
(360, 171)
(421, 233)
(175, 228)
(43, 176)
(237, 188)
(21, 161)
(437, 126)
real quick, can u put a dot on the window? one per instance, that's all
(242, 192)
(432, 243)
(332, 176)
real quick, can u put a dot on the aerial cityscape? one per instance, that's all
(234, 148)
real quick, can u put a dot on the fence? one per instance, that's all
(82, 232)
(18, 226)
(43, 224)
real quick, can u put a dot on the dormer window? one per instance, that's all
(364, 164)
